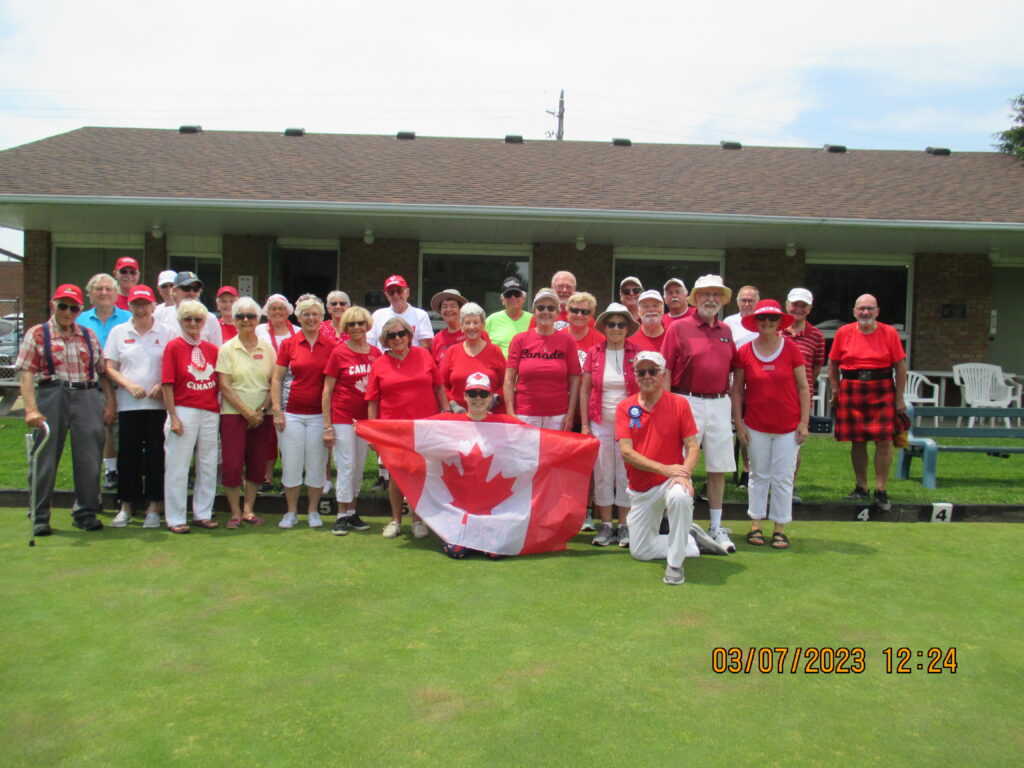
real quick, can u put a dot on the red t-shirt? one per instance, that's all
(770, 400)
(457, 365)
(660, 436)
(351, 371)
(227, 330)
(700, 356)
(493, 418)
(122, 301)
(544, 365)
(191, 370)
(645, 342)
(444, 339)
(307, 365)
(590, 338)
(667, 319)
(404, 389)
(855, 351)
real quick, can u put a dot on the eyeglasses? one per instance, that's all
(652, 372)
(246, 316)
(579, 310)
(613, 324)
(545, 308)
(630, 291)
(128, 271)
(477, 393)
(864, 309)
(190, 288)
(768, 318)
(192, 319)
(355, 324)
(337, 303)
(72, 308)
(390, 335)
(394, 289)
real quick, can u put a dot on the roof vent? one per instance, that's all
(190, 129)
(730, 145)
(938, 151)
(513, 138)
(406, 135)
(835, 149)
(294, 131)
(622, 143)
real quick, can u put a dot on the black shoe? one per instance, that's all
(89, 523)
(42, 529)
(380, 485)
(857, 494)
(882, 501)
(341, 526)
(267, 488)
(743, 481)
(356, 523)
(110, 480)
(703, 494)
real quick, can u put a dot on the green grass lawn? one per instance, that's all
(825, 475)
(266, 647)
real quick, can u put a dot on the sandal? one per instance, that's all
(252, 520)
(756, 537)
(780, 541)
(207, 524)
(233, 523)
(179, 529)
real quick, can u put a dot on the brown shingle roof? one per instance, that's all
(770, 181)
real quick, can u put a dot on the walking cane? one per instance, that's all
(32, 451)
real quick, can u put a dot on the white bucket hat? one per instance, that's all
(710, 281)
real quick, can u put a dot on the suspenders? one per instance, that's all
(47, 339)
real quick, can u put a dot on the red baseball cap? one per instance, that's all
(126, 261)
(143, 292)
(394, 280)
(227, 289)
(69, 291)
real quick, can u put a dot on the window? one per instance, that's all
(476, 271)
(654, 266)
(76, 265)
(295, 270)
(208, 269)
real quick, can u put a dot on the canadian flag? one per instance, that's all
(505, 488)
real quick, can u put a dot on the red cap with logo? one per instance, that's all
(394, 280)
(126, 261)
(69, 291)
(227, 289)
(141, 292)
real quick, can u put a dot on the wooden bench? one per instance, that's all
(923, 445)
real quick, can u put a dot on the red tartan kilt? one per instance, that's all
(866, 411)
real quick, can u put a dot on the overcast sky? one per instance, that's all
(877, 74)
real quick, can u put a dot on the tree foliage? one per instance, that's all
(1011, 140)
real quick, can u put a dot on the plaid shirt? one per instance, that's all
(70, 354)
(811, 343)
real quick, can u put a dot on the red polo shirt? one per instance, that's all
(699, 355)
(307, 363)
(660, 436)
(645, 342)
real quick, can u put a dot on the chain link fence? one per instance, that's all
(11, 330)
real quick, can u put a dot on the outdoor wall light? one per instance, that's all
(581, 243)
(791, 249)
(368, 237)
(157, 231)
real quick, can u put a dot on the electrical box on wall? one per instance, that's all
(245, 285)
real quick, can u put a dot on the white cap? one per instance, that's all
(167, 276)
(650, 293)
(650, 356)
(545, 293)
(630, 279)
(675, 280)
(478, 380)
(800, 294)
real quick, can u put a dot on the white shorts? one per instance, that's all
(544, 422)
(713, 416)
(609, 469)
(350, 458)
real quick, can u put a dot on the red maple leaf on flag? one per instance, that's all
(471, 491)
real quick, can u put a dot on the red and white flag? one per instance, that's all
(506, 488)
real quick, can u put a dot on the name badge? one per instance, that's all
(258, 356)
(129, 341)
(770, 367)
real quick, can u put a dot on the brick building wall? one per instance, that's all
(964, 280)
(11, 276)
(36, 276)
(770, 270)
(364, 268)
(154, 261)
(591, 266)
(246, 255)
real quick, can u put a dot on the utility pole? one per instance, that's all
(560, 115)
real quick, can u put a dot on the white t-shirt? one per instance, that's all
(414, 316)
(740, 335)
(138, 357)
(613, 384)
(211, 328)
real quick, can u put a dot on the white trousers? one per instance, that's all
(644, 520)
(610, 484)
(202, 430)
(349, 458)
(713, 416)
(544, 422)
(772, 464)
(303, 450)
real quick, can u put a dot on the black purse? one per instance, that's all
(820, 425)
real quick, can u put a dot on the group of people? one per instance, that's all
(656, 377)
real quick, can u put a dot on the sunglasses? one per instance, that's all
(477, 393)
(190, 288)
(72, 308)
(616, 324)
(394, 289)
(192, 319)
(513, 294)
(769, 318)
(396, 334)
(246, 316)
(579, 310)
(128, 271)
(545, 308)
(355, 324)
(630, 291)
(337, 304)
(652, 372)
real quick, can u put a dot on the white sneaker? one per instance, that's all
(706, 542)
(152, 520)
(588, 523)
(289, 520)
(121, 519)
(328, 485)
(392, 529)
(314, 520)
(721, 536)
(419, 529)
(692, 550)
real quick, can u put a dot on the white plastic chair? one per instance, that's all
(819, 403)
(982, 386)
(914, 394)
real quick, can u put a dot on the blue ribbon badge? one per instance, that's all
(634, 416)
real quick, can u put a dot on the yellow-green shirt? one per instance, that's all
(249, 372)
